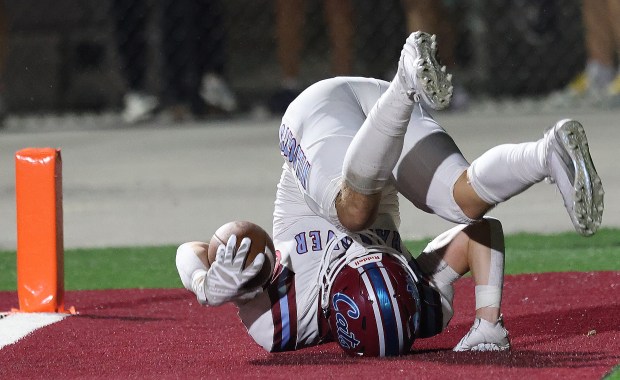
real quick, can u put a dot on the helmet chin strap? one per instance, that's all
(330, 265)
(333, 262)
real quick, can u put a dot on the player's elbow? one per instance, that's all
(355, 222)
(357, 212)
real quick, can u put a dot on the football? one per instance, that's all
(261, 242)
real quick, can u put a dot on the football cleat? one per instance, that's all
(572, 170)
(485, 336)
(424, 76)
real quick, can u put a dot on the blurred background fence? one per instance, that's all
(72, 56)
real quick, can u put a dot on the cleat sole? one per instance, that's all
(588, 194)
(431, 78)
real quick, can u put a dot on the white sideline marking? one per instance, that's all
(15, 326)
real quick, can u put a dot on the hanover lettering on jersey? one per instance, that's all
(315, 241)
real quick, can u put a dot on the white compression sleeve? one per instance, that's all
(377, 146)
(507, 170)
(490, 295)
(187, 263)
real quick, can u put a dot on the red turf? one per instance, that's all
(562, 325)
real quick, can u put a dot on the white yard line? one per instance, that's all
(15, 326)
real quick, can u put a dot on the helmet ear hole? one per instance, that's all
(364, 323)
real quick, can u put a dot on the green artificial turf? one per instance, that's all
(614, 374)
(154, 267)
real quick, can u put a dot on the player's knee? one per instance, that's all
(356, 220)
(468, 199)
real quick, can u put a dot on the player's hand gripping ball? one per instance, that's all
(261, 243)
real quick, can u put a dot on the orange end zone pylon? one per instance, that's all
(40, 249)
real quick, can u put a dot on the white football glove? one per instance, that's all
(226, 277)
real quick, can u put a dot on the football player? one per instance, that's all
(350, 145)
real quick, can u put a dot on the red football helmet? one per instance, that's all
(372, 303)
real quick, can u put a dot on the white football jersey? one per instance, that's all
(314, 135)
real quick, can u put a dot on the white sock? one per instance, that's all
(440, 273)
(507, 170)
(376, 147)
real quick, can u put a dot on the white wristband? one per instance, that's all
(198, 287)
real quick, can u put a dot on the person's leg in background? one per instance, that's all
(290, 19)
(210, 40)
(599, 44)
(178, 57)
(339, 17)
(290, 16)
(589, 86)
(613, 89)
(3, 55)
(432, 16)
(130, 21)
